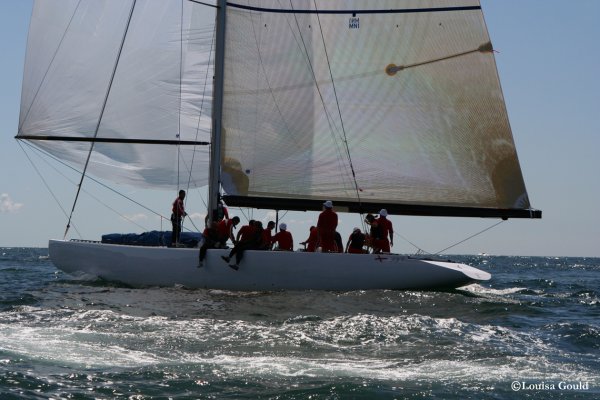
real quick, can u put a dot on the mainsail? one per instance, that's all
(367, 103)
(133, 77)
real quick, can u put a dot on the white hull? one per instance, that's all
(259, 270)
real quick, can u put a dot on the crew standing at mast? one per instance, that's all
(177, 215)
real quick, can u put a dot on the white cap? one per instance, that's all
(356, 229)
(383, 212)
(328, 204)
(283, 227)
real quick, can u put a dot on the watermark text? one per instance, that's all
(540, 386)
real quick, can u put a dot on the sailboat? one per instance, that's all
(278, 105)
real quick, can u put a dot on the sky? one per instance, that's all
(548, 58)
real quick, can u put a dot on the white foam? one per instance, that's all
(390, 348)
(482, 290)
(68, 347)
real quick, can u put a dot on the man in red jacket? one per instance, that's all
(385, 225)
(284, 239)
(311, 242)
(267, 237)
(326, 225)
(225, 230)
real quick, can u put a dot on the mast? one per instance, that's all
(214, 180)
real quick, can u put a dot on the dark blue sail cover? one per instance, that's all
(152, 238)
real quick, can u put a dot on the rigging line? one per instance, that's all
(284, 214)
(112, 77)
(312, 71)
(49, 65)
(189, 169)
(85, 191)
(202, 106)
(472, 236)
(302, 46)
(356, 188)
(193, 224)
(96, 181)
(47, 186)
(419, 249)
(187, 190)
(248, 217)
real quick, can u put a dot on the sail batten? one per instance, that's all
(114, 140)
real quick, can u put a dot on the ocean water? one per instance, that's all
(533, 332)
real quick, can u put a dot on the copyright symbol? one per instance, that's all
(516, 386)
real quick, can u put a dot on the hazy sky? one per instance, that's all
(549, 64)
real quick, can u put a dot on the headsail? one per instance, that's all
(157, 117)
(367, 102)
